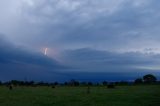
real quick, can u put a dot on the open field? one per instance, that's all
(142, 95)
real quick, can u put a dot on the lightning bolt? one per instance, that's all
(45, 51)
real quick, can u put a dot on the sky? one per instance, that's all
(87, 40)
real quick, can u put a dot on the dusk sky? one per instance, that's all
(87, 40)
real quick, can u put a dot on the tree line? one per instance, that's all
(146, 79)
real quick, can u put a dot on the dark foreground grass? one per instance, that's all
(146, 95)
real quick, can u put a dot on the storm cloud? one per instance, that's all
(111, 61)
(19, 62)
(130, 25)
(82, 36)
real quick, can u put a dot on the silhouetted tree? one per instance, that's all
(90, 83)
(31, 83)
(149, 78)
(84, 83)
(138, 81)
(41, 83)
(15, 82)
(22, 83)
(105, 83)
(74, 83)
(117, 83)
(65, 83)
(56, 83)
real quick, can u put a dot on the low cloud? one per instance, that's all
(18, 63)
(105, 61)
(13, 54)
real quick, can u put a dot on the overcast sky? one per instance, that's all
(84, 38)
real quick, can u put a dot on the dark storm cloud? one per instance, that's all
(18, 55)
(85, 64)
(106, 61)
(116, 36)
(17, 62)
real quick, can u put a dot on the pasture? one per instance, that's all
(140, 95)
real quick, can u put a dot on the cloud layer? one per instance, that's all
(130, 25)
(110, 61)
(87, 36)
(19, 63)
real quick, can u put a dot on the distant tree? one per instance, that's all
(90, 83)
(41, 83)
(31, 82)
(74, 83)
(138, 81)
(65, 83)
(22, 83)
(15, 82)
(26, 83)
(56, 83)
(149, 78)
(104, 83)
(117, 83)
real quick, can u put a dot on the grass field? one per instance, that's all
(142, 95)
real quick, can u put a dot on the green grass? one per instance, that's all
(142, 95)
